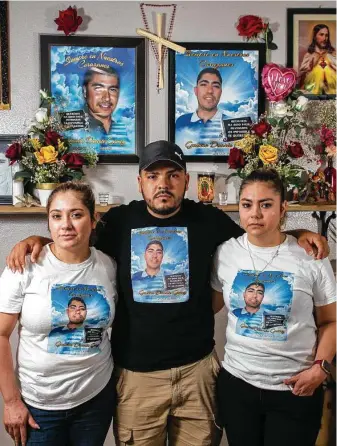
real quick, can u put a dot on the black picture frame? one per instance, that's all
(91, 46)
(6, 176)
(216, 49)
(300, 23)
(5, 99)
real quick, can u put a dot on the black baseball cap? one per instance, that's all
(161, 151)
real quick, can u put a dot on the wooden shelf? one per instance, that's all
(291, 207)
(14, 210)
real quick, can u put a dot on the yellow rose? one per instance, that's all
(47, 154)
(268, 154)
(246, 144)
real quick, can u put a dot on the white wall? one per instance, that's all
(195, 21)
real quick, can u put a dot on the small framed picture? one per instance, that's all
(6, 176)
(99, 88)
(215, 94)
(311, 51)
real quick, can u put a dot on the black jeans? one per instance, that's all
(258, 417)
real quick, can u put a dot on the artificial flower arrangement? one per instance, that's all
(279, 140)
(322, 183)
(255, 29)
(43, 154)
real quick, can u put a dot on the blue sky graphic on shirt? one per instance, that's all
(80, 316)
(160, 264)
(262, 314)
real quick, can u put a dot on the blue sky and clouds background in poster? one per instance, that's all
(239, 99)
(68, 65)
(275, 307)
(174, 270)
(98, 314)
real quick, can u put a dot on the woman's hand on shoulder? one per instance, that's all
(306, 382)
(16, 417)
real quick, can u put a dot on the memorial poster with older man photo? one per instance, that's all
(216, 96)
(95, 91)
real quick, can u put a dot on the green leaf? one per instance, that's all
(22, 174)
(281, 124)
(272, 122)
(272, 46)
(298, 130)
(75, 174)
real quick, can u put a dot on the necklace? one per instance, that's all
(257, 274)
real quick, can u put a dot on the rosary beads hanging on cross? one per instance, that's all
(158, 50)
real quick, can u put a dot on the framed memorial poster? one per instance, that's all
(215, 94)
(99, 88)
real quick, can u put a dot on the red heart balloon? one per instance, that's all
(278, 82)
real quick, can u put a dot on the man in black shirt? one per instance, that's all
(163, 335)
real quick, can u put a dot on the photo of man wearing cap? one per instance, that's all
(164, 352)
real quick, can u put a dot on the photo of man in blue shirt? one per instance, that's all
(206, 121)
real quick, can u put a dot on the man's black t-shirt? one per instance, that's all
(166, 320)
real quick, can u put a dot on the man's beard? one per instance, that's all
(322, 46)
(165, 211)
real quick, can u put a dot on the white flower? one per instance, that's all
(280, 109)
(301, 103)
(43, 94)
(41, 115)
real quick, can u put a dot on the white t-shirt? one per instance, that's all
(279, 339)
(60, 367)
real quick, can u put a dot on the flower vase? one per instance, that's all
(17, 185)
(44, 190)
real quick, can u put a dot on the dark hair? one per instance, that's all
(155, 242)
(264, 175)
(210, 71)
(87, 196)
(316, 29)
(79, 299)
(256, 284)
(109, 71)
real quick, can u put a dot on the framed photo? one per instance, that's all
(4, 58)
(6, 175)
(215, 93)
(310, 50)
(99, 88)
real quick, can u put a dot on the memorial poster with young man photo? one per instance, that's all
(215, 98)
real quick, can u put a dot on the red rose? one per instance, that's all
(261, 129)
(68, 21)
(235, 159)
(73, 160)
(327, 136)
(294, 149)
(250, 25)
(14, 152)
(51, 138)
